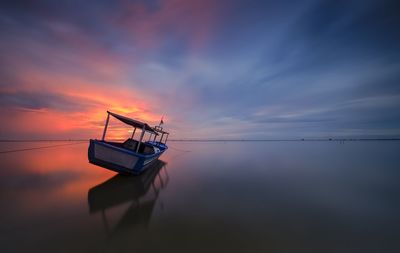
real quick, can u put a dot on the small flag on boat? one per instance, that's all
(162, 121)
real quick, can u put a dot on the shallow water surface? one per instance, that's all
(276, 196)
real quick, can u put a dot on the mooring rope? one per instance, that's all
(43, 147)
(67, 144)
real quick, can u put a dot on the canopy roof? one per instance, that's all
(132, 122)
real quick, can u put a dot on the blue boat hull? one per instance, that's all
(121, 160)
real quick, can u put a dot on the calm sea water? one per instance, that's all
(204, 197)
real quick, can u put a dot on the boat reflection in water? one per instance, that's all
(140, 191)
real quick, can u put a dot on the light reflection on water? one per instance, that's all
(237, 196)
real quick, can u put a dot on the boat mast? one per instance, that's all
(105, 127)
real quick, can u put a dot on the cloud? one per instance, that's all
(214, 68)
(45, 101)
(168, 24)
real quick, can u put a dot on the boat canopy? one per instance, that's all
(134, 123)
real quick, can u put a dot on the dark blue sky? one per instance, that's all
(216, 69)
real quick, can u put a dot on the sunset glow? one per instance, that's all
(214, 69)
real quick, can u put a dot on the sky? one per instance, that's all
(225, 69)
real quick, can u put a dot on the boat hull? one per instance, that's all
(120, 159)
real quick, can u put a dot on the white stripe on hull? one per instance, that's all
(149, 160)
(115, 157)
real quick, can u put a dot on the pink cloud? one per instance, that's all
(190, 21)
(83, 79)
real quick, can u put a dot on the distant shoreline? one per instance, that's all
(221, 140)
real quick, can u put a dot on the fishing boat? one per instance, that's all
(131, 156)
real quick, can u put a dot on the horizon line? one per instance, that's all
(216, 140)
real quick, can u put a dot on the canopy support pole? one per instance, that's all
(133, 133)
(166, 138)
(141, 138)
(162, 135)
(105, 127)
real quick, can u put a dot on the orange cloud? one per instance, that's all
(63, 89)
(74, 108)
